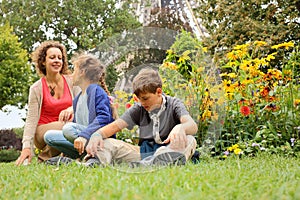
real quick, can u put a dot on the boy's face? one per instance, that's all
(151, 101)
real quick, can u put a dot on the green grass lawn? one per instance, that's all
(262, 177)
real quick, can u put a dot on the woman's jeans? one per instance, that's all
(63, 140)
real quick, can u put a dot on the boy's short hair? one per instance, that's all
(146, 81)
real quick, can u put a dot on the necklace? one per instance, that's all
(52, 92)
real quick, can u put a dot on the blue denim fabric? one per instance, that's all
(64, 140)
(148, 148)
(71, 130)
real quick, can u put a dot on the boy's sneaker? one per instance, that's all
(146, 162)
(58, 160)
(169, 158)
(92, 162)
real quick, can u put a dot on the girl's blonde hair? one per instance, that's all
(94, 71)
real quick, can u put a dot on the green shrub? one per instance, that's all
(10, 145)
(8, 155)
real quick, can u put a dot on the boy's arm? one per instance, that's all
(104, 132)
(177, 137)
(189, 125)
(112, 128)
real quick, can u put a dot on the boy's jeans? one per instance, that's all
(63, 140)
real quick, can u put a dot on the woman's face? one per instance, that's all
(54, 60)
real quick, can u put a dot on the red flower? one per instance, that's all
(127, 105)
(245, 110)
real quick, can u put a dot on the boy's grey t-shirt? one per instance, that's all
(137, 115)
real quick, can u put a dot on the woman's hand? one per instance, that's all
(66, 115)
(26, 153)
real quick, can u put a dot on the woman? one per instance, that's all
(50, 100)
(92, 108)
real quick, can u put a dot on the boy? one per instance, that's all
(165, 129)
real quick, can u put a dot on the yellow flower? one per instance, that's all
(241, 53)
(169, 51)
(260, 43)
(296, 102)
(37, 151)
(277, 74)
(237, 151)
(261, 62)
(241, 47)
(204, 49)
(271, 56)
(286, 45)
(170, 65)
(232, 56)
(228, 86)
(229, 95)
(184, 56)
(236, 146)
(232, 75)
(206, 114)
(233, 147)
(245, 65)
(223, 74)
(247, 81)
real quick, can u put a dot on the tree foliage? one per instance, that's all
(235, 22)
(15, 71)
(78, 24)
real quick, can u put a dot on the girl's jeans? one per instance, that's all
(63, 140)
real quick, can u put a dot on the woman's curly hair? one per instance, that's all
(40, 53)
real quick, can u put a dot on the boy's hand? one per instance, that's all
(95, 141)
(177, 138)
(79, 144)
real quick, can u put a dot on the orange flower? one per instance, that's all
(265, 92)
(245, 110)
